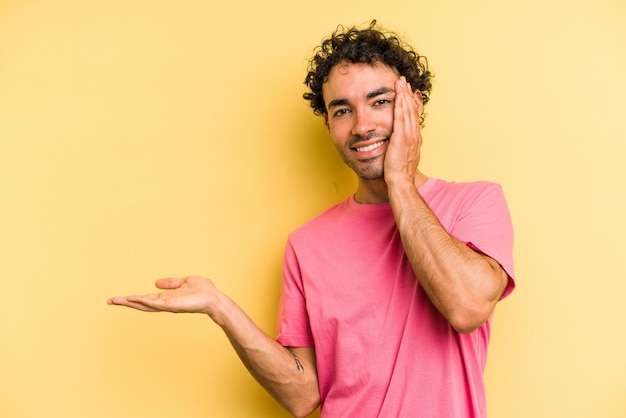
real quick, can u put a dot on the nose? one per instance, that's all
(364, 123)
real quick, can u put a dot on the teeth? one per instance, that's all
(370, 147)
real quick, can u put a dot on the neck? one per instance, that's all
(376, 191)
(371, 191)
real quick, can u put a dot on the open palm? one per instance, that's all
(191, 294)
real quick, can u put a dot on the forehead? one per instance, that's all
(350, 81)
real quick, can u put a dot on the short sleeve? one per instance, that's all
(485, 225)
(293, 328)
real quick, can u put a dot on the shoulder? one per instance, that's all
(458, 204)
(438, 190)
(436, 185)
(322, 221)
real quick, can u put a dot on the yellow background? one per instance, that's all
(144, 139)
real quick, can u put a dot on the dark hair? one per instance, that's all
(365, 46)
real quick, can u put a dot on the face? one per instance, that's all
(359, 100)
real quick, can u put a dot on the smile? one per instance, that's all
(370, 147)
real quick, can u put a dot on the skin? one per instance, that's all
(373, 119)
(293, 383)
(372, 105)
(362, 103)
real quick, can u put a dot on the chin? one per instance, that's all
(367, 170)
(371, 174)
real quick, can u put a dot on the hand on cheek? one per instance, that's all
(403, 152)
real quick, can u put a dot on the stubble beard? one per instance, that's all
(371, 169)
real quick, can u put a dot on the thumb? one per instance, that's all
(169, 283)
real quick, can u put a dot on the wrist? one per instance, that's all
(218, 308)
(399, 186)
(405, 193)
(403, 181)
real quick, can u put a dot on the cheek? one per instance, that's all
(387, 118)
(338, 131)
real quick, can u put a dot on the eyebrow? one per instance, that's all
(379, 92)
(370, 95)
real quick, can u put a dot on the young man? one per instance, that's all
(386, 297)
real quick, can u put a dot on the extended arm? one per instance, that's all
(463, 284)
(288, 374)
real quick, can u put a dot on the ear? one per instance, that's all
(326, 121)
(419, 102)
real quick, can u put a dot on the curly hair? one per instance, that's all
(364, 46)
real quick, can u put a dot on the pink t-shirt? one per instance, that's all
(382, 348)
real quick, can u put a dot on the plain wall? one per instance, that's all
(147, 139)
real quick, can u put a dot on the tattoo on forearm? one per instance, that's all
(299, 365)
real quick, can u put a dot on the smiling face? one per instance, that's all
(359, 99)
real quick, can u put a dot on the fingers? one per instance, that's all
(147, 303)
(188, 294)
(133, 302)
(155, 302)
(406, 111)
(406, 127)
(403, 153)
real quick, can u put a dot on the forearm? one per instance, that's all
(462, 284)
(289, 378)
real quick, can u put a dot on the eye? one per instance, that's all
(381, 102)
(340, 112)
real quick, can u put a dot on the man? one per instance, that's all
(387, 297)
